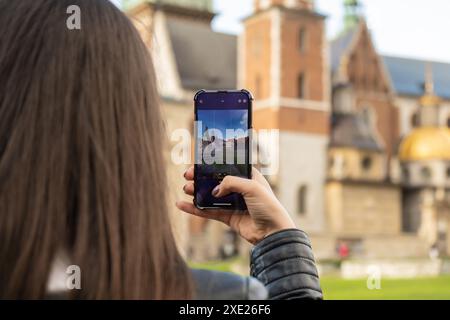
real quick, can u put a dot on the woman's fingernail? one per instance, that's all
(184, 188)
(215, 191)
(184, 174)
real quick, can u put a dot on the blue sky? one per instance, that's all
(223, 119)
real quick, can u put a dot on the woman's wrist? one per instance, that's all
(277, 230)
(274, 230)
(284, 223)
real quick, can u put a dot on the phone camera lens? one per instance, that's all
(240, 101)
(245, 100)
(222, 101)
(201, 101)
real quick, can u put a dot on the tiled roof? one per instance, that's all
(205, 59)
(338, 47)
(408, 76)
(351, 130)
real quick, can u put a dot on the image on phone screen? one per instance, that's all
(222, 144)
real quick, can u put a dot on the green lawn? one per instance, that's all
(335, 288)
(405, 289)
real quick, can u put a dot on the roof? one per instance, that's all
(426, 144)
(351, 130)
(339, 46)
(205, 59)
(408, 76)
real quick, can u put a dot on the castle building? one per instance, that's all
(363, 151)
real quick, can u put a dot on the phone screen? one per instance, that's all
(223, 122)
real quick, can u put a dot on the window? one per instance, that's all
(375, 84)
(448, 122)
(302, 197)
(368, 115)
(302, 40)
(448, 172)
(301, 86)
(415, 120)
(366, 163)
(425, 172)
(331, 162)
(405, 174)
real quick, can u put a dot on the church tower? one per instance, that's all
(284, 63)
(352, 14)
(425, 159)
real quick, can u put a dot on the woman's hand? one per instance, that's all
(265, 213)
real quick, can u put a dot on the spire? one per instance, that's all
(429, 99)
(429, 112)
(429, 81)
(352, 13)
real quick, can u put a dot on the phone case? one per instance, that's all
(250, 99)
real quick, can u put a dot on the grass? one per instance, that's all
(391, 289)
(335, 288)
(224, 266)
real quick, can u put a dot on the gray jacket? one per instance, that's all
(281, 267)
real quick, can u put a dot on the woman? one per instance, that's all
(82, 177)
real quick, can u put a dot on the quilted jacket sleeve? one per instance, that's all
(285, 264)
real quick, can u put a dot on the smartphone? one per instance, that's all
(223, 122)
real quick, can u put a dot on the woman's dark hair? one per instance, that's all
(81, 161)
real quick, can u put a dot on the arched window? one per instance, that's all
(301, 86)
(425, 172)
(415, 120)
(368, 115)
(375, 83)
(302, 40)
(448, 172)
(366, 163)
(301, 200)
(448, 122)
(331, 162)
(405, 174)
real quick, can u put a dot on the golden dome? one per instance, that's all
(426, 143)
